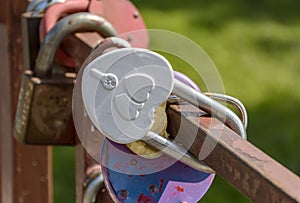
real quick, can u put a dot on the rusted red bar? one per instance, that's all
(25, 170)
(247, 168)
(251, 171)
(3, 55)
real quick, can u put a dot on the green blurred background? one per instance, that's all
(256, 48)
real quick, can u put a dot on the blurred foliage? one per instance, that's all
(255, 46)
(64, 174)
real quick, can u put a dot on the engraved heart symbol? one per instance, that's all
(138, 89)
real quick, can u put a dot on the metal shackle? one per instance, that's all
(78, 22)
(93, 187)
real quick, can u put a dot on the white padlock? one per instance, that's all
(121, 88)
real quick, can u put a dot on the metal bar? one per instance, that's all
(3, 13)
(5, 141)
(251, 171)
(28, 172)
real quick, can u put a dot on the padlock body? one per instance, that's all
(44, 112)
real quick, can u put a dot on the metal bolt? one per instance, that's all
(133, 162)
(152, 189)
(129, 38)
(109, 80)
(123, 194)
(136, 15)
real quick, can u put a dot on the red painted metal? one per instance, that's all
(251, 171)
(126, 19)
(120, 13)
(52, 15)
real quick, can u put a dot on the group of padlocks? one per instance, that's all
(120, 96)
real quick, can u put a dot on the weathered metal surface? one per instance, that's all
(26, 172)
(3, 13)
(52, 15)
(44, 114)
(5, 141)
(124, 22)
(251, 171)
(77, 22)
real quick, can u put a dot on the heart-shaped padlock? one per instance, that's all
(119, 90)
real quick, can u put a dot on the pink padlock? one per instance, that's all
(122, 14)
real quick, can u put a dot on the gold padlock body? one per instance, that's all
(44, 112)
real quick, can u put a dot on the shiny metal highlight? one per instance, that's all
(232, 101)
(78, 22)
(176, 151)
(210, 106)
(93, 187)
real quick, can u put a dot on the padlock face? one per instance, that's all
(145, 80)
(44, 114)
(131, 178)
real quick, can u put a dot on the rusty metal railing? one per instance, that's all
(240, 163)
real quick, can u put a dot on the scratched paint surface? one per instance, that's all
(131, 180)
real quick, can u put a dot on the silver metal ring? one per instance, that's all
(232, 101)
(210, 106)
(78, 22)
(95, 184)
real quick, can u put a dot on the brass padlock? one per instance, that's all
(44, 112)
(160, 127)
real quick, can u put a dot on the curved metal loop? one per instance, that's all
(93, 187)
(78, 22)
(232, 101)
(210, 106)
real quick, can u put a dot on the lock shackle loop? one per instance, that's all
(93, 187)
(210, 106)
(78, 22)
(232, 101)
